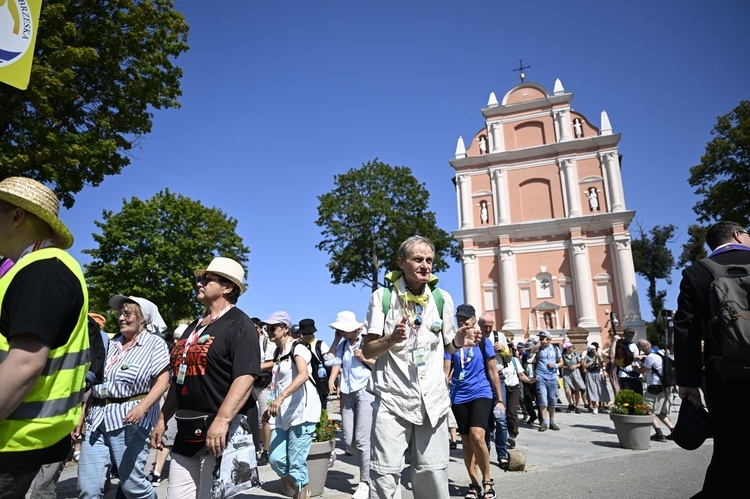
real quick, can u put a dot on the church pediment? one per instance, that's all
(546, 306)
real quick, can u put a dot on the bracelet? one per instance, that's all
(453, 342)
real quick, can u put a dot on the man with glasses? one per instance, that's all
(548, 361)
(725, 396)
(407, 333)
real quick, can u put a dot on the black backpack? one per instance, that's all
(729, 319)
(314, 363)
(97, 353)
(668, 373)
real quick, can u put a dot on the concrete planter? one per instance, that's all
(633, 432)
(317, 468)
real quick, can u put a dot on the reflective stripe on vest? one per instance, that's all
(52, 408)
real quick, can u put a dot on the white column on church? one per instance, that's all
(627, 289)
(498, 141)
(500, 194)
(562, 118)
(569, 174)
(582, 285)
(613, 175)
(464, 199)
(471, 280)
(509, 289)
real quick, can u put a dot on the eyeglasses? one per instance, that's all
(125, 314)
(205, 279)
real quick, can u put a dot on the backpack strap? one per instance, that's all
(436, 295)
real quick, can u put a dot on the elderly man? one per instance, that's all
(410, 326)
(43, 328)
(730, 245)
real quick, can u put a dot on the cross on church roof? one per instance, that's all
(520, 68)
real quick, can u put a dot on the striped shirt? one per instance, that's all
(127, 374)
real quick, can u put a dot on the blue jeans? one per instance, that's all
(546, 392)
(500, 426)
(289, 450)
(128, 447)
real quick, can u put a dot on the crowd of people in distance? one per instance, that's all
(233, 393)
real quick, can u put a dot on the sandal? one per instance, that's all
(503, 463)
(475, 492)
(489, 493)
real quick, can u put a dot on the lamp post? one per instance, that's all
(667, 316)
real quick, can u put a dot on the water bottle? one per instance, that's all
(498, 412)
(322, 372)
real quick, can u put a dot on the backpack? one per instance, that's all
(623, 355)
(729, 319)
(291, 354)
(97, 353)
(321, 383)
(668, 373)
(265, 377)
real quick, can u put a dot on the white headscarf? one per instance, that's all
(154, 321)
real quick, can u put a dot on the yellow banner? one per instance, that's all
(19, 20)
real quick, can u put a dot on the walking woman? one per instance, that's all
(124, 408)
(471, 394)
(293, 403)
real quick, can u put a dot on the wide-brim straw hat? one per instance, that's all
(38, 199)
(228, 269)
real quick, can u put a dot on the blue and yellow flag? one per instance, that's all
(19, 20)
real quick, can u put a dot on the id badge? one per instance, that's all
(181, 374)
(461, 376)
(420, 359)
(102, 390)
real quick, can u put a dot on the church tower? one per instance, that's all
(542, 219)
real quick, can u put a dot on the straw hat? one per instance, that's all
(226, 268)
(38, 199)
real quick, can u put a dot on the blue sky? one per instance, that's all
(280, 97)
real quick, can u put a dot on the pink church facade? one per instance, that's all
(542, 218)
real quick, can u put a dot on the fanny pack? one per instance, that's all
(192, 427)
(654, 389)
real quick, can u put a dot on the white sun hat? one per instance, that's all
(346, 321)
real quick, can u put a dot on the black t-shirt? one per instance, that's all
(45, 299)
(226, 349)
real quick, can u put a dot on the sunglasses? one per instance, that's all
(418, 318)
(273, 327)
(205, 279)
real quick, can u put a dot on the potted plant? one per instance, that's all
(632, 418)
(324, 442)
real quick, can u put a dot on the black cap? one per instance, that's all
(693, 426)
(465, 311)
(307, 326)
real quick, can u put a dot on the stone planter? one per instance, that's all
(317, 468)
(633, 432)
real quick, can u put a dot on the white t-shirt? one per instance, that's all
(653, 360)
(510, 372)
(303, 406)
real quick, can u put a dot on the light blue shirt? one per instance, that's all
(355, 374)
(546, 355)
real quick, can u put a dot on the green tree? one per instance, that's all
(151, 248)
(654, 260)
(723, 176)
(695, 248)
(99, 70)
(369, 213)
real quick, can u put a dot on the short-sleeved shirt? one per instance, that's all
(497, 336)
(653, 360)
(419, 395)
(225, 350)
(45, 299)
(128, 374)
(469, 381)
(511, 371)
(355, 374)
(302, 406)
(546, 355)
(628, 371)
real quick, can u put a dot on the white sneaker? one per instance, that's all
(362, 491)
(596, 410)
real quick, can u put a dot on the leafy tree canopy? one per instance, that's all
(723, 176)
(151, 249)
(695, 248)
(653, 260)
(367, 216)
(99, 70)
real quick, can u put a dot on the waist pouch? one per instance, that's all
(655, 389)
(192, 427)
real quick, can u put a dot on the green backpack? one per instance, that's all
(436, 295)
